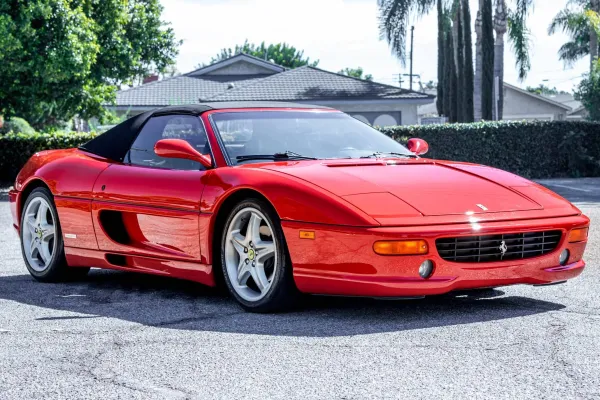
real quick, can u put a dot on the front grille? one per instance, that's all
(489, 248)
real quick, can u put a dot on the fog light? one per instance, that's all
(426, 269)
(564, 257)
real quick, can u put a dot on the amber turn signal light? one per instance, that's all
(307, 235)
(578, 235)
(401, 248)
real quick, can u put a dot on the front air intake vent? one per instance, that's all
(505, 247)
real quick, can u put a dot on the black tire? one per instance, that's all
(57, 270)
(282, 294)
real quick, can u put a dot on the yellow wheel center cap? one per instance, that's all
(251, 254)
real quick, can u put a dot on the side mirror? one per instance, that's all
(418, 146)
(177, 148)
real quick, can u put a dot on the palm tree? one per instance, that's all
(593, 16)
(513, 21)
(501, 27)
(581, 25)
(393, 21)
(393, 24)
(478, 65)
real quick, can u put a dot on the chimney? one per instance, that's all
(150, 78)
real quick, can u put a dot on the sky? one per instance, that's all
(345, 33)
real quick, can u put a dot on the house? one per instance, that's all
(578, 114)
(578, 111)
(520, 105)
(246, 78)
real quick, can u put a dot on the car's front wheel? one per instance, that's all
(254, 257)
(41, 240)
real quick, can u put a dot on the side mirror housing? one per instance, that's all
(418, 146)
(177, 148)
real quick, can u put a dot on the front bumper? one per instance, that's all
(13, 201)
(341, 261)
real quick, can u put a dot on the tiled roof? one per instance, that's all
(309, 83)
(300, 84)
(180, 90)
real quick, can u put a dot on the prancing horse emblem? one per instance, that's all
(503, 247)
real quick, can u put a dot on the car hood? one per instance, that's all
(394, 191)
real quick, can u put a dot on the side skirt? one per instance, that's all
(196, 272)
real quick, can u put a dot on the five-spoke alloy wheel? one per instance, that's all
(254, 257)
(38, 228)
(41, 240)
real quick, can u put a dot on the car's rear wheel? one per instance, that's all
(254, 257)
(41, 240)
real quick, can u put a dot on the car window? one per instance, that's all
(186, 127)
(321, 135)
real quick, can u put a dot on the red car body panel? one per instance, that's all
(170, 217)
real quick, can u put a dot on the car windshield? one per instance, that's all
(275, 135)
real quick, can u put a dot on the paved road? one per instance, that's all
(119, 335)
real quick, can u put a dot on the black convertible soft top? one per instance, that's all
(114, 143)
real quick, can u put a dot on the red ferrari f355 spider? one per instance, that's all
(279, 199)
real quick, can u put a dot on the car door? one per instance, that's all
(149, 205)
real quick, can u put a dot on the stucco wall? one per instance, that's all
(404, 114)
(518, 105)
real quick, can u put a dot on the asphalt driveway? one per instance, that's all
(120, 335)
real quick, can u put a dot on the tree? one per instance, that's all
(279, 53)
(393, 21)
(579, 23)
(61, 58)
(487, 51)
(451, 78)
(469, 112)
(588, 92)
(544, 90)
(431, 85)
(441, 59)
(478, 65)
(356, 73)
(448, 50)
(501, 27)
(593, 15)
(460, 62)
(393, 24)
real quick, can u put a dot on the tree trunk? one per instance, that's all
(454, 83)
(478, 69)
(487, 60)
(460, 66)
(468, 62)
(500, 26)
(448, 62)
(594, 6)
(441, 61)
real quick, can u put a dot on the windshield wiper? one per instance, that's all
(381, 153)
(286, 155)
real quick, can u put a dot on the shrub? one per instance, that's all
(16, 125)
(531, 149)
(16, 148)
(588, 92)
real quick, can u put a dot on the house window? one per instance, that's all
(385, 120)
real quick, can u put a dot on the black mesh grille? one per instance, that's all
(489, 248)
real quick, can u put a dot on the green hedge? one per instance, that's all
(531, 149)
(16, 148)
(16, 125)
